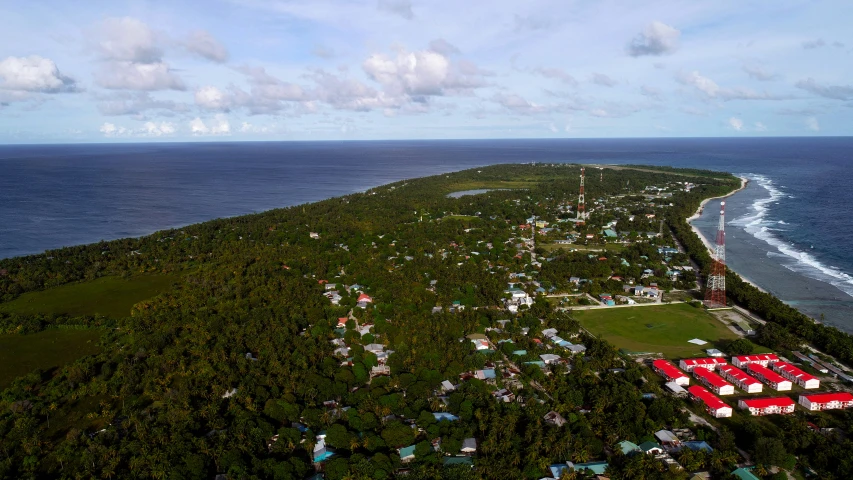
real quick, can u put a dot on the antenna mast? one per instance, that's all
(715, 290)
(581, 201)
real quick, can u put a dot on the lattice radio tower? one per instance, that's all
(581, 200)
(715, 290)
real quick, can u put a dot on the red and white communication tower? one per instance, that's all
(581, 201)
(715, 290)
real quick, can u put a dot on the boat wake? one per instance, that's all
(759, 226)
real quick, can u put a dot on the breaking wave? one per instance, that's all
(759, 226)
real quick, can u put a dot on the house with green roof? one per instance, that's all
(745, 474)
(407, 454)
(629, 448)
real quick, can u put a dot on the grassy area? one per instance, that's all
(460, 217)
(21, 354)
(490, 184)
(108, 296)
(661, 329)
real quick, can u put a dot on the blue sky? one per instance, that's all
(391, 69)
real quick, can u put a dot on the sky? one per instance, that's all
(239, 70)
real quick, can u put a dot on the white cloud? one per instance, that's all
(557, 74)
(218, 125)
(603, 80)
(736, 123)
(442, 46)
(139, 76)
(148, 129)
(34, 74)
(760, 127)
(657, 38)
(158, 129)
(204, 45)
(812, 124)
(323, 52)
(129, 40)
(137, 103)
(812, 44)
(835, 92)
(710, 89)
(403, 8)
(212, 98)
(517, 104)
(650, 92)
(759, 73)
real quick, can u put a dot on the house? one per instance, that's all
(767, 406)
(710, 363)
(667, 438)
(713, 405)
(764, 360)
(699, 445)
(549, 332)
(774, 380)
(550, 358)
(446, 386)
(342, 322)
(740, 379)
(364, 298)
(314, 235)
(676, 389)
(650, 448)
(407, 454)
(827, 401)
(796, 375)
(714, 381)
(595, 468)
(714, 353)
(667, 370)
(744, 474)
(444, 416)
(323, 453)
(576, 348)
(374, 348)
(628, 448)
(380, 370)
(487, 374)
(481, 344)
(554, 418)
(469, 445)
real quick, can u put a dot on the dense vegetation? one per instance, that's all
(233, 370)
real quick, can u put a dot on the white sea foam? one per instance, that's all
(756, 224)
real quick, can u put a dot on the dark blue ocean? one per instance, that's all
(790, 231)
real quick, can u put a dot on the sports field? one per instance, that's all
(662, 329)
(21, 354)
(107, 296)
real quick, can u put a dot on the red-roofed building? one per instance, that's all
(796, 375)
(774, 380)
(741, 361)
(740, 379)
(364, 298)
(688, 364)
(827, 401)
(714, 381)
(670, 372)
(713, 405)
(342, 322)
(767, 406)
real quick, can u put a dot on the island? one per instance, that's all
(499, 322)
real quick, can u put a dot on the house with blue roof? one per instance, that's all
(441, 416)
(407, 454)
(596, 468)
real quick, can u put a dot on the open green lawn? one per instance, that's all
(108, 296)
(21, 354)
(660, 329)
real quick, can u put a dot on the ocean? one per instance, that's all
(789, 231)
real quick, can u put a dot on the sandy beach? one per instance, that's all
(743, 184)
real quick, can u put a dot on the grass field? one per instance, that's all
(660, 329)
(108, 296)
(21, 354)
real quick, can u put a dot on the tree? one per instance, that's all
(741, 346)
(769, 451)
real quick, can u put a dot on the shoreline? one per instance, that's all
(744, 182)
